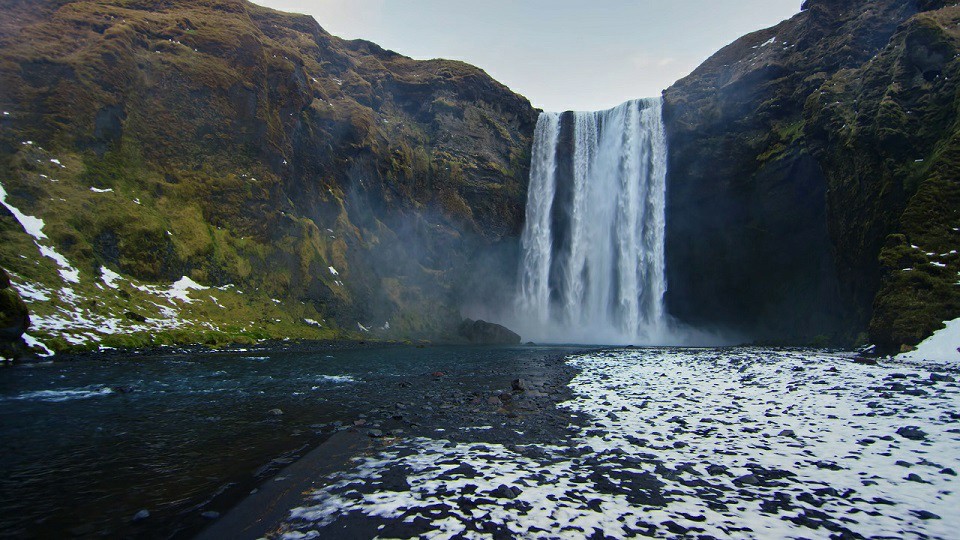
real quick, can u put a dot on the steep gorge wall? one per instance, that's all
(244, 147)
(805, 161)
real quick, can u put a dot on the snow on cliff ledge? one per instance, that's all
(942, 346)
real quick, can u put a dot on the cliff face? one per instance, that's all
(797, 154)
(308, 177)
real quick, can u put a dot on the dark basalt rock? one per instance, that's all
(806, 161)
(912, 432)
(485, 333)
(14, 320)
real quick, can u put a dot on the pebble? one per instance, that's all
(912, 432)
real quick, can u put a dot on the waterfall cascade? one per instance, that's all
(592, 255)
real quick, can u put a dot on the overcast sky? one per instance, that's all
(560, 54)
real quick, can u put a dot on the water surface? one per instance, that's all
(86, 444)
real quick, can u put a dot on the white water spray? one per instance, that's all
(592, 250)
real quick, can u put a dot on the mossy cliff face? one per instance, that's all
(797, 154)
(322, 179)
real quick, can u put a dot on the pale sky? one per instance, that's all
(560, 54)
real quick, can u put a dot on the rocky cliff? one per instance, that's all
(813, 184)
(208, 169)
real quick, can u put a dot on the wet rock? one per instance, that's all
(925, 515)
(747, 480)
(375, 433)
(912, 432)
(716, 470)
(504, 491)
(482, 332)
(141, 515)
(275, 412)
(675, 528)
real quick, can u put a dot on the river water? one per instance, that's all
(86, 444)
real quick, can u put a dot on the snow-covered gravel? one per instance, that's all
(727, 443)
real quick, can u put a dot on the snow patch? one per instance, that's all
(95, 190)
(33, 225)
(942, 346)
(109, 277)
(34, 342)
(333, 271)
(182, 286)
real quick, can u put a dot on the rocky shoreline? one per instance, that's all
(519, 407)
(671, 442)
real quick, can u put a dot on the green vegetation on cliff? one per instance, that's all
(249, 150)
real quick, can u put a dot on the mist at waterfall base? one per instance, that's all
(591, 266)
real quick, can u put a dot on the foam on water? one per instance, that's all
(64, 394)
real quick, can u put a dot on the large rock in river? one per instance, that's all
(483, 332)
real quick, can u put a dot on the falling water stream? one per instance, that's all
(592, 255)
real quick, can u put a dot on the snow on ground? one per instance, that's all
(109, 277)
(727, 443)
(34, 227)
(942, 346)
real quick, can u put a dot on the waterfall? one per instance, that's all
(592, 257)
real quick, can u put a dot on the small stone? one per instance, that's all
(936, 377)
(923, 514)
(519, 385)
(275, 412)
(716, 470)
(141, 515)
(375, 433)
(912, 432)
(948, 471)
(914, 477)
(506, 492)
(747, 479)
(787, 433)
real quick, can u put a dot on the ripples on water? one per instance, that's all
(86, 444)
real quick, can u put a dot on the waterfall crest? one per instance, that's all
(592, 249)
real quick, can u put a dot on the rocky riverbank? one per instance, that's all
(733, 442)
(463, 406)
